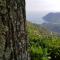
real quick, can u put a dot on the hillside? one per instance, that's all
(37, 29)
(42, 46)
(52, 27)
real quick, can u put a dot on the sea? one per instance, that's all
(36, 17)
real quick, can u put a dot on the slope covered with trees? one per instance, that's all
(43, 46)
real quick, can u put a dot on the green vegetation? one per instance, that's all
(43, 44)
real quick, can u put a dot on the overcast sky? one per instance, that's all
(43, 5)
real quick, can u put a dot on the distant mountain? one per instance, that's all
(52, 22)
(52, 18)
(52, 27)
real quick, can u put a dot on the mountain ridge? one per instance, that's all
(53, 22)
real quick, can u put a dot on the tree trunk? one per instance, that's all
(13, 17)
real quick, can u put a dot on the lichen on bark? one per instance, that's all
(13, 18)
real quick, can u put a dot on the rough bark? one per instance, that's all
(12, 13)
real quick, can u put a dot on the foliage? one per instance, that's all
(43, 46)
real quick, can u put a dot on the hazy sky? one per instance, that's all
(43, 5)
